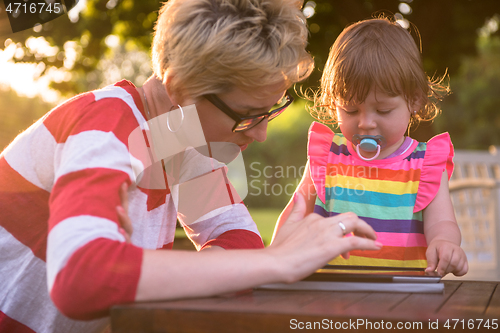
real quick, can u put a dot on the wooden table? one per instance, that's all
(464, 304)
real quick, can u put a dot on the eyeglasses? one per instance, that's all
(246, 123)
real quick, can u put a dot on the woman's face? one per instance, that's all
(217, 126)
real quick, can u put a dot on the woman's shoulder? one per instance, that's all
(113, 108)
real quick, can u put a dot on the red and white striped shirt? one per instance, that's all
(59, 237)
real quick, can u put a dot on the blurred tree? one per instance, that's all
(471, 113)
(447, 29)
(83, 40)
(18, 113)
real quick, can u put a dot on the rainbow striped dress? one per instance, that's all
(389, 194)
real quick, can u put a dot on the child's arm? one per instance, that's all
(444, 253)
(308, 191)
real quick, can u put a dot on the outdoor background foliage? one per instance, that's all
(109, 40)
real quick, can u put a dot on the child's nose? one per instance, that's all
(366, 121)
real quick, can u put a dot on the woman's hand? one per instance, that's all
(306, 243)
(122, 211)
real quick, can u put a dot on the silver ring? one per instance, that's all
(342, 226)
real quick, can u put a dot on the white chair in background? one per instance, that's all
(474, 191)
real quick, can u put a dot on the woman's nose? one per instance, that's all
(259, 132)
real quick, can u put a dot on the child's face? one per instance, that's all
(379, 114)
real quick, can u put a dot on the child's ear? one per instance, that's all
(335, 104)
(417, 103)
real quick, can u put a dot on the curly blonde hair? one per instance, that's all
(214, 45)
(377, 53)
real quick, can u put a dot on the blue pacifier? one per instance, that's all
(368, 143)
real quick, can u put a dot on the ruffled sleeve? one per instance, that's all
(318, 148)
(438, 158)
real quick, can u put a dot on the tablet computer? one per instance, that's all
(374, 274)
(366, 279)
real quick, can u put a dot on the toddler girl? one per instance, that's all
(374, 87)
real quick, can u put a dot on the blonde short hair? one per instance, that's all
(214, 45)
(377, 53)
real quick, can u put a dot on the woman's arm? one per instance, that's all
(302, 245)
(443, 236)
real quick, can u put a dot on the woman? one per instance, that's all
(60, 179)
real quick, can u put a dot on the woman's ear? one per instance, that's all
(175, 91)
(169, 84)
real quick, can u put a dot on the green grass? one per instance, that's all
(265, 218)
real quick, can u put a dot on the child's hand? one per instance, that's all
(446, 257)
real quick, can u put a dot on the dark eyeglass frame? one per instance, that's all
(255, 120)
